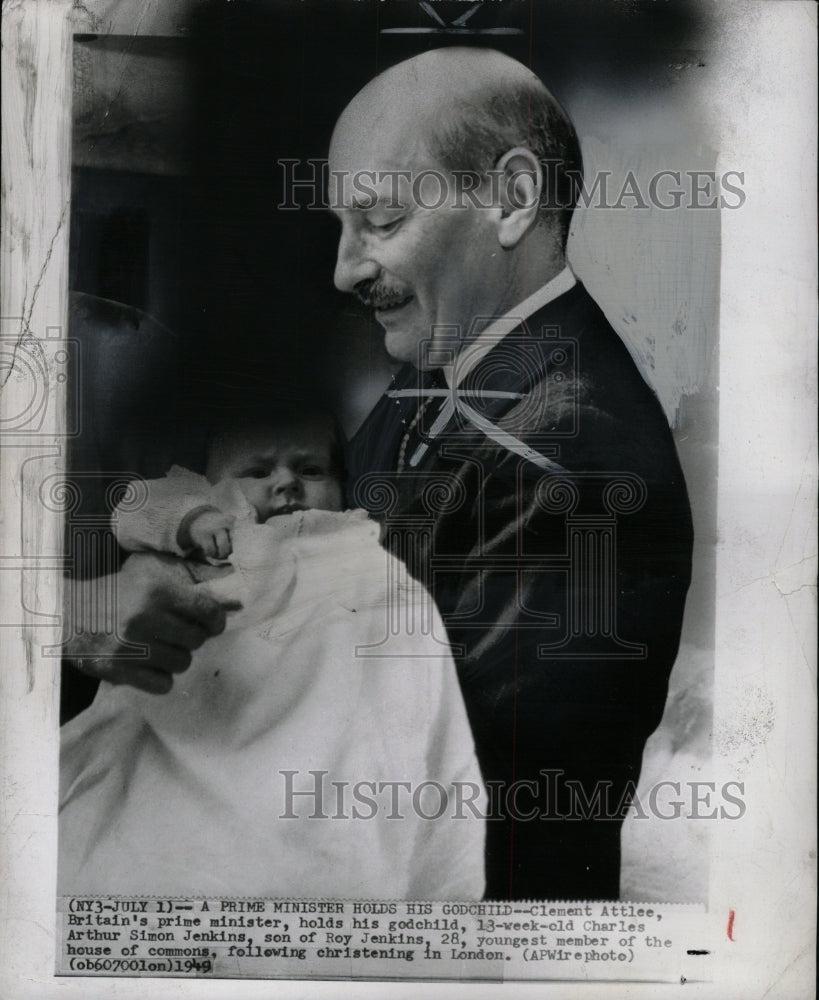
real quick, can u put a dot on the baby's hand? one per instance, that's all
(207, 530)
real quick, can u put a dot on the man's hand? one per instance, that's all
(206, 530)
(158, 605)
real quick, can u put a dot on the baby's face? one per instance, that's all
(280, 471)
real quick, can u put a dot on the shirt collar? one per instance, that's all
(478, 348)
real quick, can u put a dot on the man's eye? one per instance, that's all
(386, 227)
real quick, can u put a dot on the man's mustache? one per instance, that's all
(379, 294)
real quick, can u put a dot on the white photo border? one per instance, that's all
(763, 869)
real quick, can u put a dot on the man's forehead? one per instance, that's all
(380, 171)
(393, 140)
(366, 188)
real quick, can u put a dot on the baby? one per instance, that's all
(312, 749)
(253, 473)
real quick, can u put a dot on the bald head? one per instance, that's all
(428, 85)
(464, 108)
(443, 171)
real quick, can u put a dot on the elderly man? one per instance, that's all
(533, 481)
(531, 478)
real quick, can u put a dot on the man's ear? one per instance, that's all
(521, 185)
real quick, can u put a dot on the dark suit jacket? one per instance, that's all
(562, 592)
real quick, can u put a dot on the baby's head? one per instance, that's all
(282, 463)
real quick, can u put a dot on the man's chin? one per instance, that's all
(403, 343)
(407, 348)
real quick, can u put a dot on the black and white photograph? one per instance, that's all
(408, 470)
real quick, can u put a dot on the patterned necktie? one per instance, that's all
(414, 442)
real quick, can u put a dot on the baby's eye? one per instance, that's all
(255, 472)
(312, 471)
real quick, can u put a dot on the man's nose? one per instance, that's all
(353, 263)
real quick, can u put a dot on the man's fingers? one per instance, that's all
(169, 659)
(154, 674)
(200, 609)
(159, 607)
(185, 633)
(162, 627)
